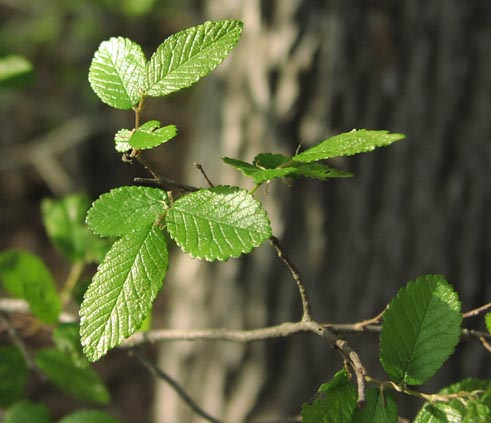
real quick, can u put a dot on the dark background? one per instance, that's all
(303, 70)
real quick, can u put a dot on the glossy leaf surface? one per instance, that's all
(185, 57)
(121, 293)
(420, 330)
(25, 276)
(124, 209)
(218, 223)
(117, 72)
(347, 144)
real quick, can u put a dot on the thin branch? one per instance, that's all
(373, 321)
(159, 373)
(476, 311)
(75, 272)
(200, 168)
(307, 311)
(167, 184)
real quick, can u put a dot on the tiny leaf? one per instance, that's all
(380, 408)
(335, 402)
(347, 144)
(64, 222)
(218, 223)
(122, 140)
(25, 276)
(79, 382)
(120, 296)
(13, 375)
(89, 416)
(126, 208)
(185, 57)
(117, 72)
(420, 330)
(150, 135)
(25, 411)
(475, 409)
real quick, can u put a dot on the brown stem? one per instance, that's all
(200, 168)
(476, 311)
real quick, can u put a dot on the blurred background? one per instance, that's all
(304, 70)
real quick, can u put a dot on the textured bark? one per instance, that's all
(305, 70)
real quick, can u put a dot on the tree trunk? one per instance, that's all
(303, 71)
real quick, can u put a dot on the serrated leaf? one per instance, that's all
(347, 144)
(25, 411)
(150, 135)
(488, 322)
(122, 140)
(25, 276)
(218, 223)
(124, 209)
(117, 72)
(185, 57)
(89, 416)
(66, 337)
(13, 375)
(420, 330)
(264, 168)
(380, 408)
(64, 222)
(79, 382)
(120, 296)
(476, 409)
(335, 402)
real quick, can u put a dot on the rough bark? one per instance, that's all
(305, 70)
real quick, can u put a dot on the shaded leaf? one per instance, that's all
(150, 135)
(89, 416)
(79, 382)
(475, 409)
(13, 375)
(64, 222)
(120, 296)
(347, 144)
(27, 412)
(15, 71)
(218, 223)
(420, 330)
(379, 409)
(117, 72)
(66, 337)
(25, 276)
(335, 402)
(185, 57)
(124, 209)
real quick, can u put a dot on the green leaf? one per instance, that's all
(120, 296)
(81, 383)
(66, 337)
(122, 140)
(27, 412)
(64, 222)
(420, 330)
(150, 135)
(124, 209)
(475, 409)
(335, 402)
(380, 408)
(117, 72)
(185, 57)
(25, 276)
(218, 223)
(265, 167)
(13, 375)
(89, 416)
(15, 71)
(347, 144)
(488, 322)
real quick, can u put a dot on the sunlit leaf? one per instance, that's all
(185, 57)
(122, 140)
(15, 71)
(117, 72)
(150, 135)
(420, 330)
(218, 223)
(120, 296)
